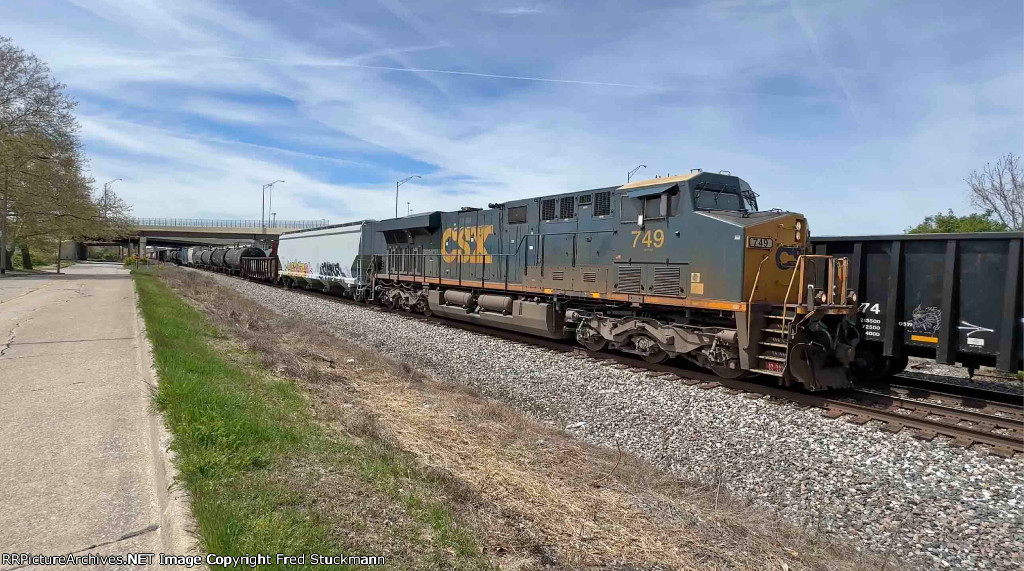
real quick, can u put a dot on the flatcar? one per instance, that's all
(681, 266)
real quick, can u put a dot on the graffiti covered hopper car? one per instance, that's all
(331, 258)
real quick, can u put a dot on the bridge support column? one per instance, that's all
(142, 246)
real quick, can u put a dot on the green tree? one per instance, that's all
(45, 190)
(951, 223)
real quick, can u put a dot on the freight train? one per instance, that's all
(681, 266)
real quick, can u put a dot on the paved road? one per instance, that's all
(81, 467)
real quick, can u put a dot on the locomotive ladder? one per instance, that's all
(773, 348)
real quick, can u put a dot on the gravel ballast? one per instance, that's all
(933, 505)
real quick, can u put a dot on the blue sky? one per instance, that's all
(863, 115)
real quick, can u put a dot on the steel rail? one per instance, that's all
(933, 383)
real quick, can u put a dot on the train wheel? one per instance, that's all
(898, 364)
(594, 343)
(655, 356)
(727, 373)
(870, 365)
(648, 349)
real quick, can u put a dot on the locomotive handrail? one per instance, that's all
(750, 301)
(801, 267)
(395, 274)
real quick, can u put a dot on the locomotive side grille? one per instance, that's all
(628, 279)
(586, 199)
(602, 203)
(666, 281)
(589, 277)
(547, 209)
(558, 275)
(567, 205)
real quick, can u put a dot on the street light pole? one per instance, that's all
(263, 206)
(400, 183)
(632, 172)
(106, 195)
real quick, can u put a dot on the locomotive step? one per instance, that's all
(772, 344)
(767, 372)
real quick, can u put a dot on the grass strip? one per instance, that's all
(252, 457)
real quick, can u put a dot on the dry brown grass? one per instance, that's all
(535, 496)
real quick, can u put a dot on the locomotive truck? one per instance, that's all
(680, 266)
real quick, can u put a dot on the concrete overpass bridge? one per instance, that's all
(178, 232)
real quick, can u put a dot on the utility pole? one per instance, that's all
(263, 207)
(408, 208)
(400, 183)
(632, 172)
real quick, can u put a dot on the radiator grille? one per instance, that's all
(567, 209)
(666, 281)
(629, 279)
(547, 209)
(558, 275)
(589, 277)
(602, 203)
(586, 199)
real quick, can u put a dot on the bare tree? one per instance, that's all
(999, 189)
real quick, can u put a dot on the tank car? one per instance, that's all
(217, 257)
(233, 257)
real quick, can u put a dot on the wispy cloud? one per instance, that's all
(521, 10)
(196, 104)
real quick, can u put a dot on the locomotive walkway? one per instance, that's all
(81, 463)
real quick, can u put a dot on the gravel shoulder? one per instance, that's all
(935, 505)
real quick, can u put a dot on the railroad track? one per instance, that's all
(921, 385)
(968, 420)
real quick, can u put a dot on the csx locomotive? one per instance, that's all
(681, 266)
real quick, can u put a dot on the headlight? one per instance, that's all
(799, 225)
(799, 235)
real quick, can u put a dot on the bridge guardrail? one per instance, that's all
(227, 223)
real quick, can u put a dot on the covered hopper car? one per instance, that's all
(683, 266)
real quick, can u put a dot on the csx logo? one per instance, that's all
(466, 244)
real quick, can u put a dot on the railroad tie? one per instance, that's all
(925, 434)
(833, 413)
(1004, 451)
(893, 426)
(962, 442)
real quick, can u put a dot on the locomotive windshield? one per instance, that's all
(725, 197)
